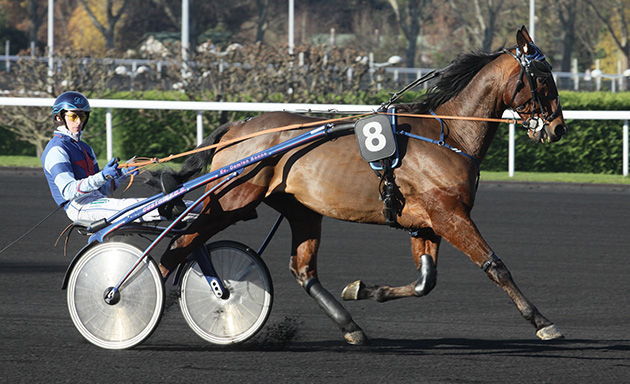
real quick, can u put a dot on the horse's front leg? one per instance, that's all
(424, 245)
(459, 230)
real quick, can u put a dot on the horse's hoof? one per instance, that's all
(357, 337)
(549, 332)
(354, 334)
(351, 291)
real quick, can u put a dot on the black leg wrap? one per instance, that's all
(174, 207)
(327, 302)
(428, 276)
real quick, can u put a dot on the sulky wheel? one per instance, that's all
(242, 312)
(130, 315)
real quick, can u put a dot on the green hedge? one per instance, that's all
(11, 146)
(591, 146)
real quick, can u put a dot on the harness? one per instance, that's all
(372, 133)
(377, 134)
(377, 138)
(441, 141)
(533, 67)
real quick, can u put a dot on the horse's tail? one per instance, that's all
(199, 162)
(194, 165)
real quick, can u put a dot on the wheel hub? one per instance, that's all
(111, 296)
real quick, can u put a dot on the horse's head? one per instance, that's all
(534, 95)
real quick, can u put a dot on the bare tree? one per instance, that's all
(613, 14)
(262, 22)
(486, 14)
(28, 76)
(210, 17)
(410, 15)
(567, 11)
(36, 17)
(107, 30)
(168, 10)
(479, 18)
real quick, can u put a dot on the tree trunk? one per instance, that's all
(261, 25)
(409, 17)
(410, 54)
(36, 20)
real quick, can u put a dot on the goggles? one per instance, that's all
(74, 116)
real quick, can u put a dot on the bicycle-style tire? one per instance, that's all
(134, 316)
(244, 312)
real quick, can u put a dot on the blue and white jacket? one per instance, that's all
(71, 169)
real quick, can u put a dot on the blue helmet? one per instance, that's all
(70, 101)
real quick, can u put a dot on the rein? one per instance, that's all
(465, 118)
(31, 230)
(381, 110)
(154, 161)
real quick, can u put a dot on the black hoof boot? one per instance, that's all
(174, 207)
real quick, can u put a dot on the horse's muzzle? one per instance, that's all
(555, 132)
(549, 133)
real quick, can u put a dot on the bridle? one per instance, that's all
(533, 67)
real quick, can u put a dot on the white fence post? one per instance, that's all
(7, 63)
(625, 147)
(576, 77)
(511, 151)
(108, 133)
(199, 127)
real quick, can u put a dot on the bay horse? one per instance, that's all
(437, 185)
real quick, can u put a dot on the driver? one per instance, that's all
(75, 180)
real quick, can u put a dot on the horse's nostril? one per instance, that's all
(560, 130)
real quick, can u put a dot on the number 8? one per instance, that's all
(372, 131)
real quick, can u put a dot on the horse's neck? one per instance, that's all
(483, 97)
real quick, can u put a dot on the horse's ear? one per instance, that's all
(523, 39)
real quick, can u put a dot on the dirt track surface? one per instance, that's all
(566, 246)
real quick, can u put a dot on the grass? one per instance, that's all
(580, 178)
(20, 161)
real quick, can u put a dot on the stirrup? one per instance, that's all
(174, 207)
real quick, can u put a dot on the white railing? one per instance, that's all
(201, 106)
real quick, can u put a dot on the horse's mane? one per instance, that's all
(451, 81)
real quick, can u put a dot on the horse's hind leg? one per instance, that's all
(424, 245)
(306, 234)
(220, 211)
